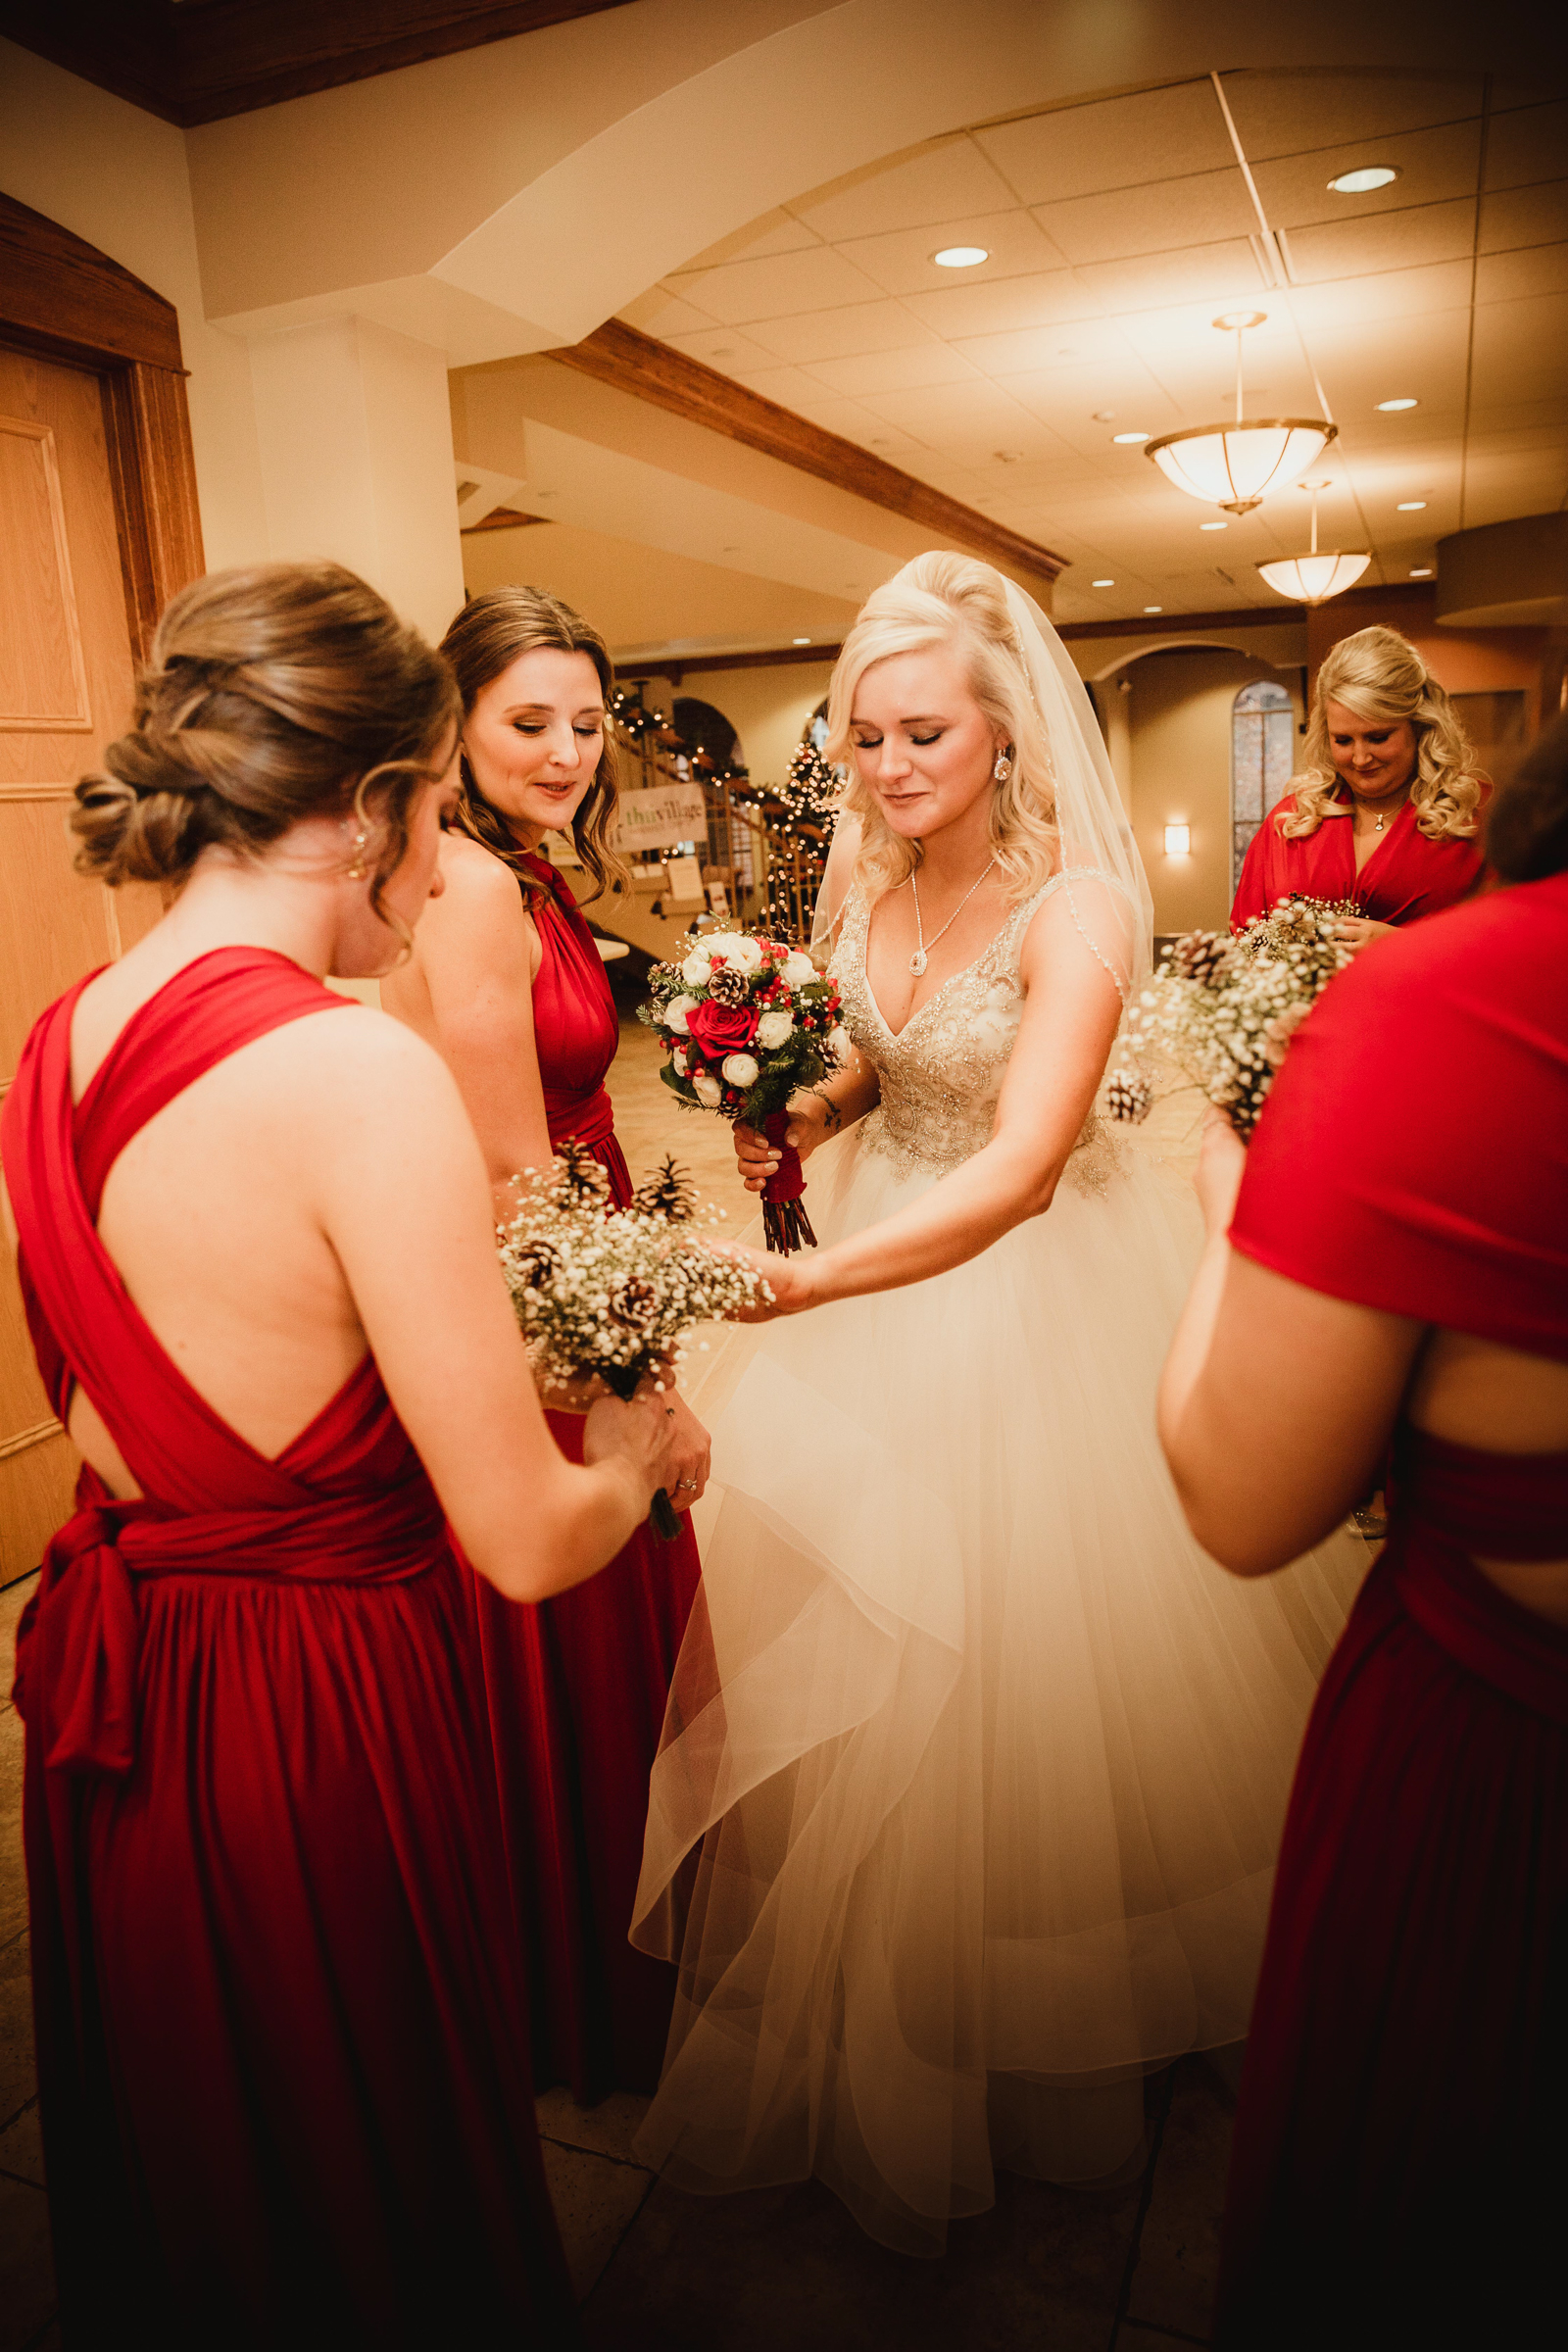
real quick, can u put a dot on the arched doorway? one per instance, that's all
(1262, 753)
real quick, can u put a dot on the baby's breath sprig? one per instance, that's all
(1223, 1013)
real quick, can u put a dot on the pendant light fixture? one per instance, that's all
(1236, 466)
(1311, 580)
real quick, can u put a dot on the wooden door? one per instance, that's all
(97, 529)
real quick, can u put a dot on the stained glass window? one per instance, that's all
(1263, 756)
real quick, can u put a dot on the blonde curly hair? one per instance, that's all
(939, 600)
(1378, 675)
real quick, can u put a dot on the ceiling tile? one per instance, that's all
(758, 241)
(895, 370)
(1287, 114)
(981, 411)
(1519, 217)
(724, 348)
(1433, 165)
(1226, 273)
(657, 313)
(1113, 143)
(901, 263)
(1199, 210)
(936, 184)
(780, 287)
(1002, 304)
(1528, 145)
(850, 417)
(1539, 269)
(1402, 240)
(836, 334)
(1522, 342)
(1083, 344)
(1394, 294)
(788, 386)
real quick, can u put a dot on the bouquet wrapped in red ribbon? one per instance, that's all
(748, 1022)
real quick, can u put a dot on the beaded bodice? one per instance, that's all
(941, 1076)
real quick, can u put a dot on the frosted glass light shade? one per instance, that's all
(1237, 466)
(1313, 579)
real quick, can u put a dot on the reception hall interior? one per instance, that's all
(1225, 332)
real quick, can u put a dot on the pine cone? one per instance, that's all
(1198, 955)
(668, 1192)
(729, 986)
(1129, 1097)
(580, 1178)
(634, 1303)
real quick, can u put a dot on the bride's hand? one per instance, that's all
(1222, 1165)
(788, 1278)
(759, 1160)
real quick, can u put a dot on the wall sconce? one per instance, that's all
(1178, 841)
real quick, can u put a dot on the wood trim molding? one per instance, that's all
(691, 664)
(1166, 624)
(202, 61)
(27, 1438)
(622, 356)
(63, 297)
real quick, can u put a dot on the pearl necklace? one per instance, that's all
(922, 955)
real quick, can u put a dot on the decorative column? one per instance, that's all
(355, 431)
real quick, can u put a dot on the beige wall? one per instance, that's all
(767, 706)
(1180, 713)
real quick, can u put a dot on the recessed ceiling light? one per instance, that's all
(1101, 583)
(800, 641)
(1214, 526)
(961, 257)
(1357, 184)
(1105, 415)
(1411, 506)
(1129, 436)
(1420, 572)
(1385, 406)
(1154, 607)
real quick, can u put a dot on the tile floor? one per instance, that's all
(1047, 2270)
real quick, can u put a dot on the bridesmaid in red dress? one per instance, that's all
(1397, 2170)
(1386, 811)
(508, 982)
(283, 2094)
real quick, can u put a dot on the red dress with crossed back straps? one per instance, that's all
(577, 1685)
(1397, 2170)
(283, 2091)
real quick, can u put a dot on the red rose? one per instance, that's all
(722, 1029)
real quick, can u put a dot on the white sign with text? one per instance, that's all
(658, 819)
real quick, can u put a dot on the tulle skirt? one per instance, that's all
(975, 1766)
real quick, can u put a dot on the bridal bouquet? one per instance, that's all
(615, 1295)
(1224, 1010)
(746, 1022)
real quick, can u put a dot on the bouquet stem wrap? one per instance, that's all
(785, 1222)
(661, 1517)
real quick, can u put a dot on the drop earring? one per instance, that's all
(356, 870)
(1003, 768)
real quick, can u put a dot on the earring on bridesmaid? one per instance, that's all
(356, 870)
(1003, 768)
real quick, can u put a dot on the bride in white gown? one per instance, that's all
(974, 1770)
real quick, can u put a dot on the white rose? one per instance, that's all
(776, 1029)
(708, 1089)
(697, 968)
(677, 1012)
(744, 954)
(840, 1044)
(740, 1069)
(799, 968)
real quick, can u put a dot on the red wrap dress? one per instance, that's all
(1398, 2174)
(283, 2091)
(577, 1685)
(1406, 876)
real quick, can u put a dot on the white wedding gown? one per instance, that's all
(975, 1765)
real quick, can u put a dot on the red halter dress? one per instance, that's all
(1398, 2172)
(283, 2092)
(1407, 876)
(577, 1685)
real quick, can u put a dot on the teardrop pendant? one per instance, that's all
(917, 962)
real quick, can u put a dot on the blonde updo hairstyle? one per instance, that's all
(489, 634)
(957, 601)
(272, 695)
(1379, 676)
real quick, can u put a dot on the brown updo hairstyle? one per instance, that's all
(287, 691)
(1527, 823)
(487, 636)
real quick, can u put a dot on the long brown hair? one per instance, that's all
(271, 695)
(487, 636)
